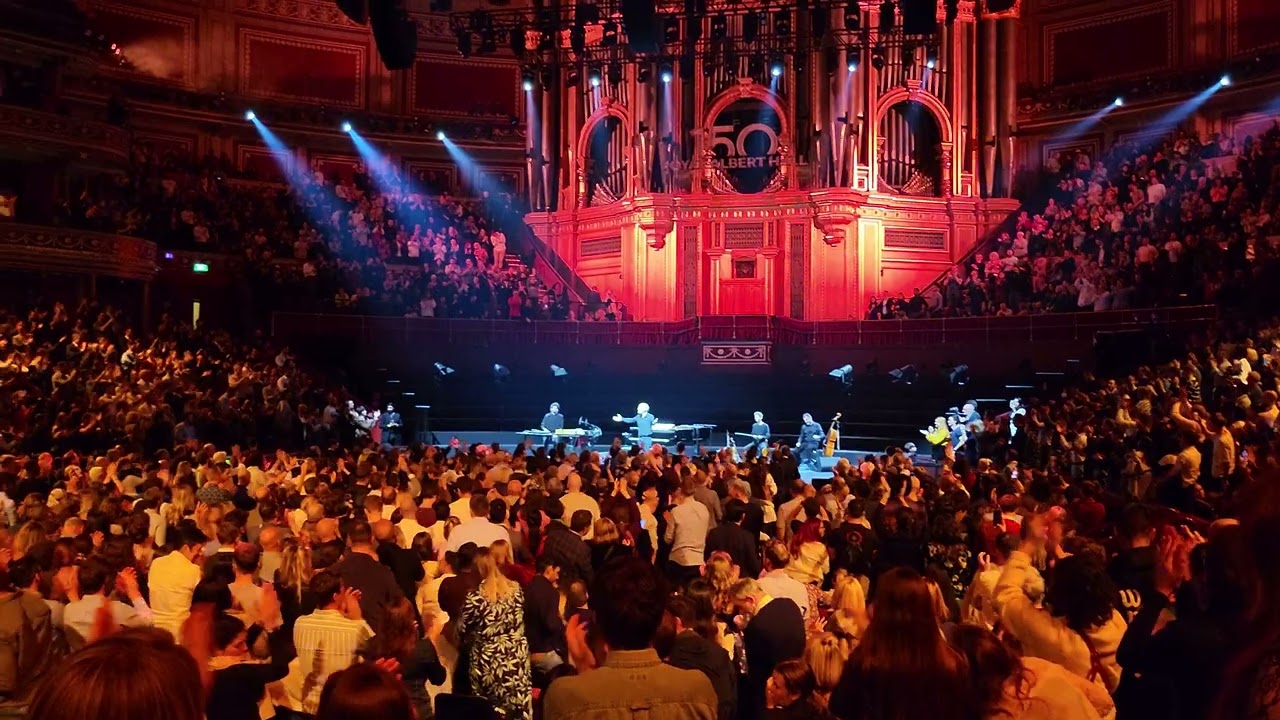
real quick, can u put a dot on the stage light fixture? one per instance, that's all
(931, 58)
(775, 68)
(643, 73)
(1225, 80)
(959, 375)
(250, 115)
(615, 73)
(671, 30)
(852, 16)
(905, 374)
(609, 34)
(1118, 102)
(573, 78)
(844, 374)
(719, 27)
(443, 370)
(782, 23)
(853, 66)
(346, 127)
(593, 77)
(440, 135)
(877, 57)
(526, 79)
(500, 372)
(527, 85)
(665, 72)
(557, 371)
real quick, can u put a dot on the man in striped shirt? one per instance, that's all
(329, 639)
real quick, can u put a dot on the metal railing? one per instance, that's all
(990, 331)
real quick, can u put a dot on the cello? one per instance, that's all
(833, 436)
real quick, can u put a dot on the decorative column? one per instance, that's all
(1007, 127)
(866, 128)
(989, 69)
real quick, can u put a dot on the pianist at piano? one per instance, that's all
(551, 422)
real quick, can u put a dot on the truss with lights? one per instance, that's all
(615, 32)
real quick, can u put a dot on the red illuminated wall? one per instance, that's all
(1253, 25)
(284, 67)
(1109, 45)
(457, 86)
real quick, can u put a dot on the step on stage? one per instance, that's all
(853, 452)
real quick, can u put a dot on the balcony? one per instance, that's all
(77, 252)
(36, 135)
(990, 332)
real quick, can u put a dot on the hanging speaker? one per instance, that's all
(395, 34)
(640, 21)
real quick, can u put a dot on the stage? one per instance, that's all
(851, 449)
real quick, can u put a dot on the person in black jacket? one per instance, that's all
(738, 543)
(543, 623)
(239, 684)
(688, 641)
(565, 546)
(774, 632)
(403, 563)
(361, 570)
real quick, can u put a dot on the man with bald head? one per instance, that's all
(271, 540)
(404, 564)
(574, 500)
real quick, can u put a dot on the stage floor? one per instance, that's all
(853, 452)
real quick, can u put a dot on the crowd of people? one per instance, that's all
(337, 241)
(213, 513)
(1174, 222)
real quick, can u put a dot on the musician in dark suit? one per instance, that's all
(809, 442)
(551, 422)
(760, 431)
(643, 422)
(391, 426)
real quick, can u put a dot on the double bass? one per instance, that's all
(833, 436)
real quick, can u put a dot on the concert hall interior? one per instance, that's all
(598, 359)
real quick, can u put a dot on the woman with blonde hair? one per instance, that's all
(182, 502)
(292, 580)
(825, 655)
(491, 633)
(606, 543)
(848, 617)
(27, 536)
(720, 573)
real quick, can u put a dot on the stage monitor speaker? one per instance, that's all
(395, 34)
(640, 21)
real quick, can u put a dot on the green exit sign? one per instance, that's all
(200, 267)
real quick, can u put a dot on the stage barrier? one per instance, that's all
(986, 331)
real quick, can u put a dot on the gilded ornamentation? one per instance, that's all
(318, 12)
(76, 251)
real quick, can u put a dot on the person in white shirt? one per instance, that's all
(478, 529)
(173, 579)
(574, 499)
(687, 526)
(776, 582)
(94, 579)
(461, 508)
(329, 639)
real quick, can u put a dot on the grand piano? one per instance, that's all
(666, 433)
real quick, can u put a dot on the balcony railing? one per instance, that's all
(84, 141)
(985, 331)
(80, 252)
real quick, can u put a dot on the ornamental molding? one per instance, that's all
(737, 353)
(315, 12)
(76, 251)
(82, 137)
